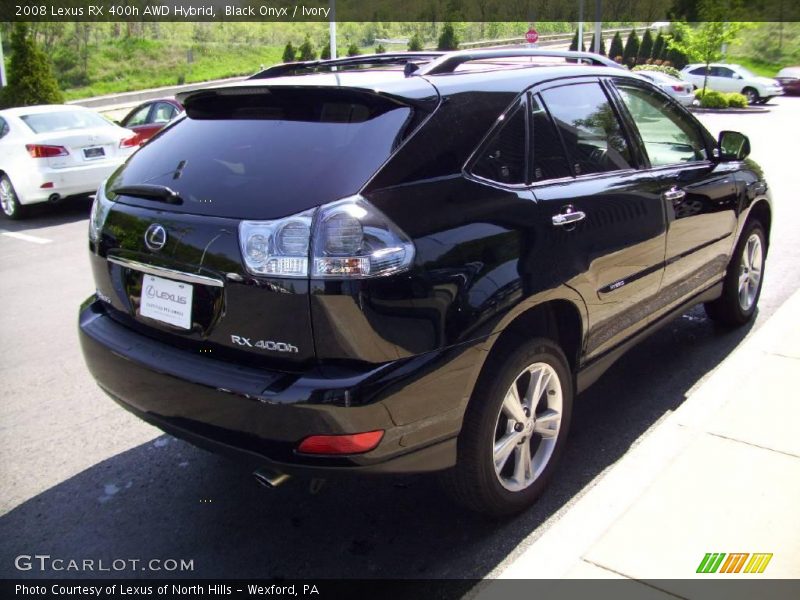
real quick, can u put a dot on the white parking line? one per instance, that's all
(28, 238)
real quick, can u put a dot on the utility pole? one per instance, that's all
(580, 26)
(598, 25)
(333, 29)
(2, 64)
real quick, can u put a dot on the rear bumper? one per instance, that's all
(69, 181)
(261, 415)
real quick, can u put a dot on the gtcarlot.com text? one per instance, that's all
(45, 563)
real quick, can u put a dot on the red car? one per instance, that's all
(789, 78)
(148, 118)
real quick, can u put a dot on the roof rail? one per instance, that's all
(394, 58)
(452, 60)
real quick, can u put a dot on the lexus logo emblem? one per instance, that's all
(155, 237)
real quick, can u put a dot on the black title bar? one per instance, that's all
(397, 10)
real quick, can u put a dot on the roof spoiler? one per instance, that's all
(394, 58)
(450, 61)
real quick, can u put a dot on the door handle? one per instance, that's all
(674, 194)
(568, 217)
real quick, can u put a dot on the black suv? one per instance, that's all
(411, 262)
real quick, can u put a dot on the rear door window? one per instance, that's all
(589, 125)
(548, 160)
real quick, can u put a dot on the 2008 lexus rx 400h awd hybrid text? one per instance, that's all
(411, 262)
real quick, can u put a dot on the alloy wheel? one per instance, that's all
(527, 427)
(750, 268)
(8, 200)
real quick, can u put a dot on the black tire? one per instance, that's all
(729, 309)
(9, 202)
(473, 482)
(751, 94)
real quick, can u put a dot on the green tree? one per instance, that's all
(306, 50)
(658, 47)
(380, 49)
(325, 51)
(289, 53)
(30, 74)
(704, 42)
(352, 50)
(448, 39)
(616, 49)
(631, 49)
(574, 43)
(646, 49)
(415, 43)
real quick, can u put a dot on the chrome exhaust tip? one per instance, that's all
(270, 478)
(53, 198)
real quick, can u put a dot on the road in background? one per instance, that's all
(84, 479)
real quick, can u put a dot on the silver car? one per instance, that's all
(682, 91)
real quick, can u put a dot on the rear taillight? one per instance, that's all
(99, 212)
(345, 239)
(44, 151)
(131, 142)
(353, 443)
(677, 88)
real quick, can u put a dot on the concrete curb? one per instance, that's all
(754, 110)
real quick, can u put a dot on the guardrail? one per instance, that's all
(547, 39)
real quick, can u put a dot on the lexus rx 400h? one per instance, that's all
(411, 262)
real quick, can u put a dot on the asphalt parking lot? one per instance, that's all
(84, 479)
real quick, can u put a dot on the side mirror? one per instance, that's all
(733, 145)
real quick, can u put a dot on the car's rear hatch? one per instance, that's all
(256, 153)
(73, 138)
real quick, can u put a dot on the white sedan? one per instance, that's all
(682, 91)
(52, 152)
(733, 78)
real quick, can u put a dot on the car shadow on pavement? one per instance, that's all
(47, 214)
(166, 499)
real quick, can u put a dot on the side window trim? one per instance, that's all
(540, 101)
(520, 103)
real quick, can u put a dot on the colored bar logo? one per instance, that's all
(719, 562)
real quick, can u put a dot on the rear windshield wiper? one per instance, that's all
(152, 192)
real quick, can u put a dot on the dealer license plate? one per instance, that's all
(167, 301)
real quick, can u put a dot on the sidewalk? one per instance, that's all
(720, 475)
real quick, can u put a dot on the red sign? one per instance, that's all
(532, 36)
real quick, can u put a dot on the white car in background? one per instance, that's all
(55, 151)
(682, 91)
(733, 78)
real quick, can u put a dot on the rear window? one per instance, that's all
(264, 155)
(63, 121)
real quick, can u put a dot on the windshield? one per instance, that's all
(63, 121)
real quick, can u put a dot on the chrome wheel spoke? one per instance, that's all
(503, 449)
(512, 405)
(547, 424)
(538, 382)
(522, 466)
